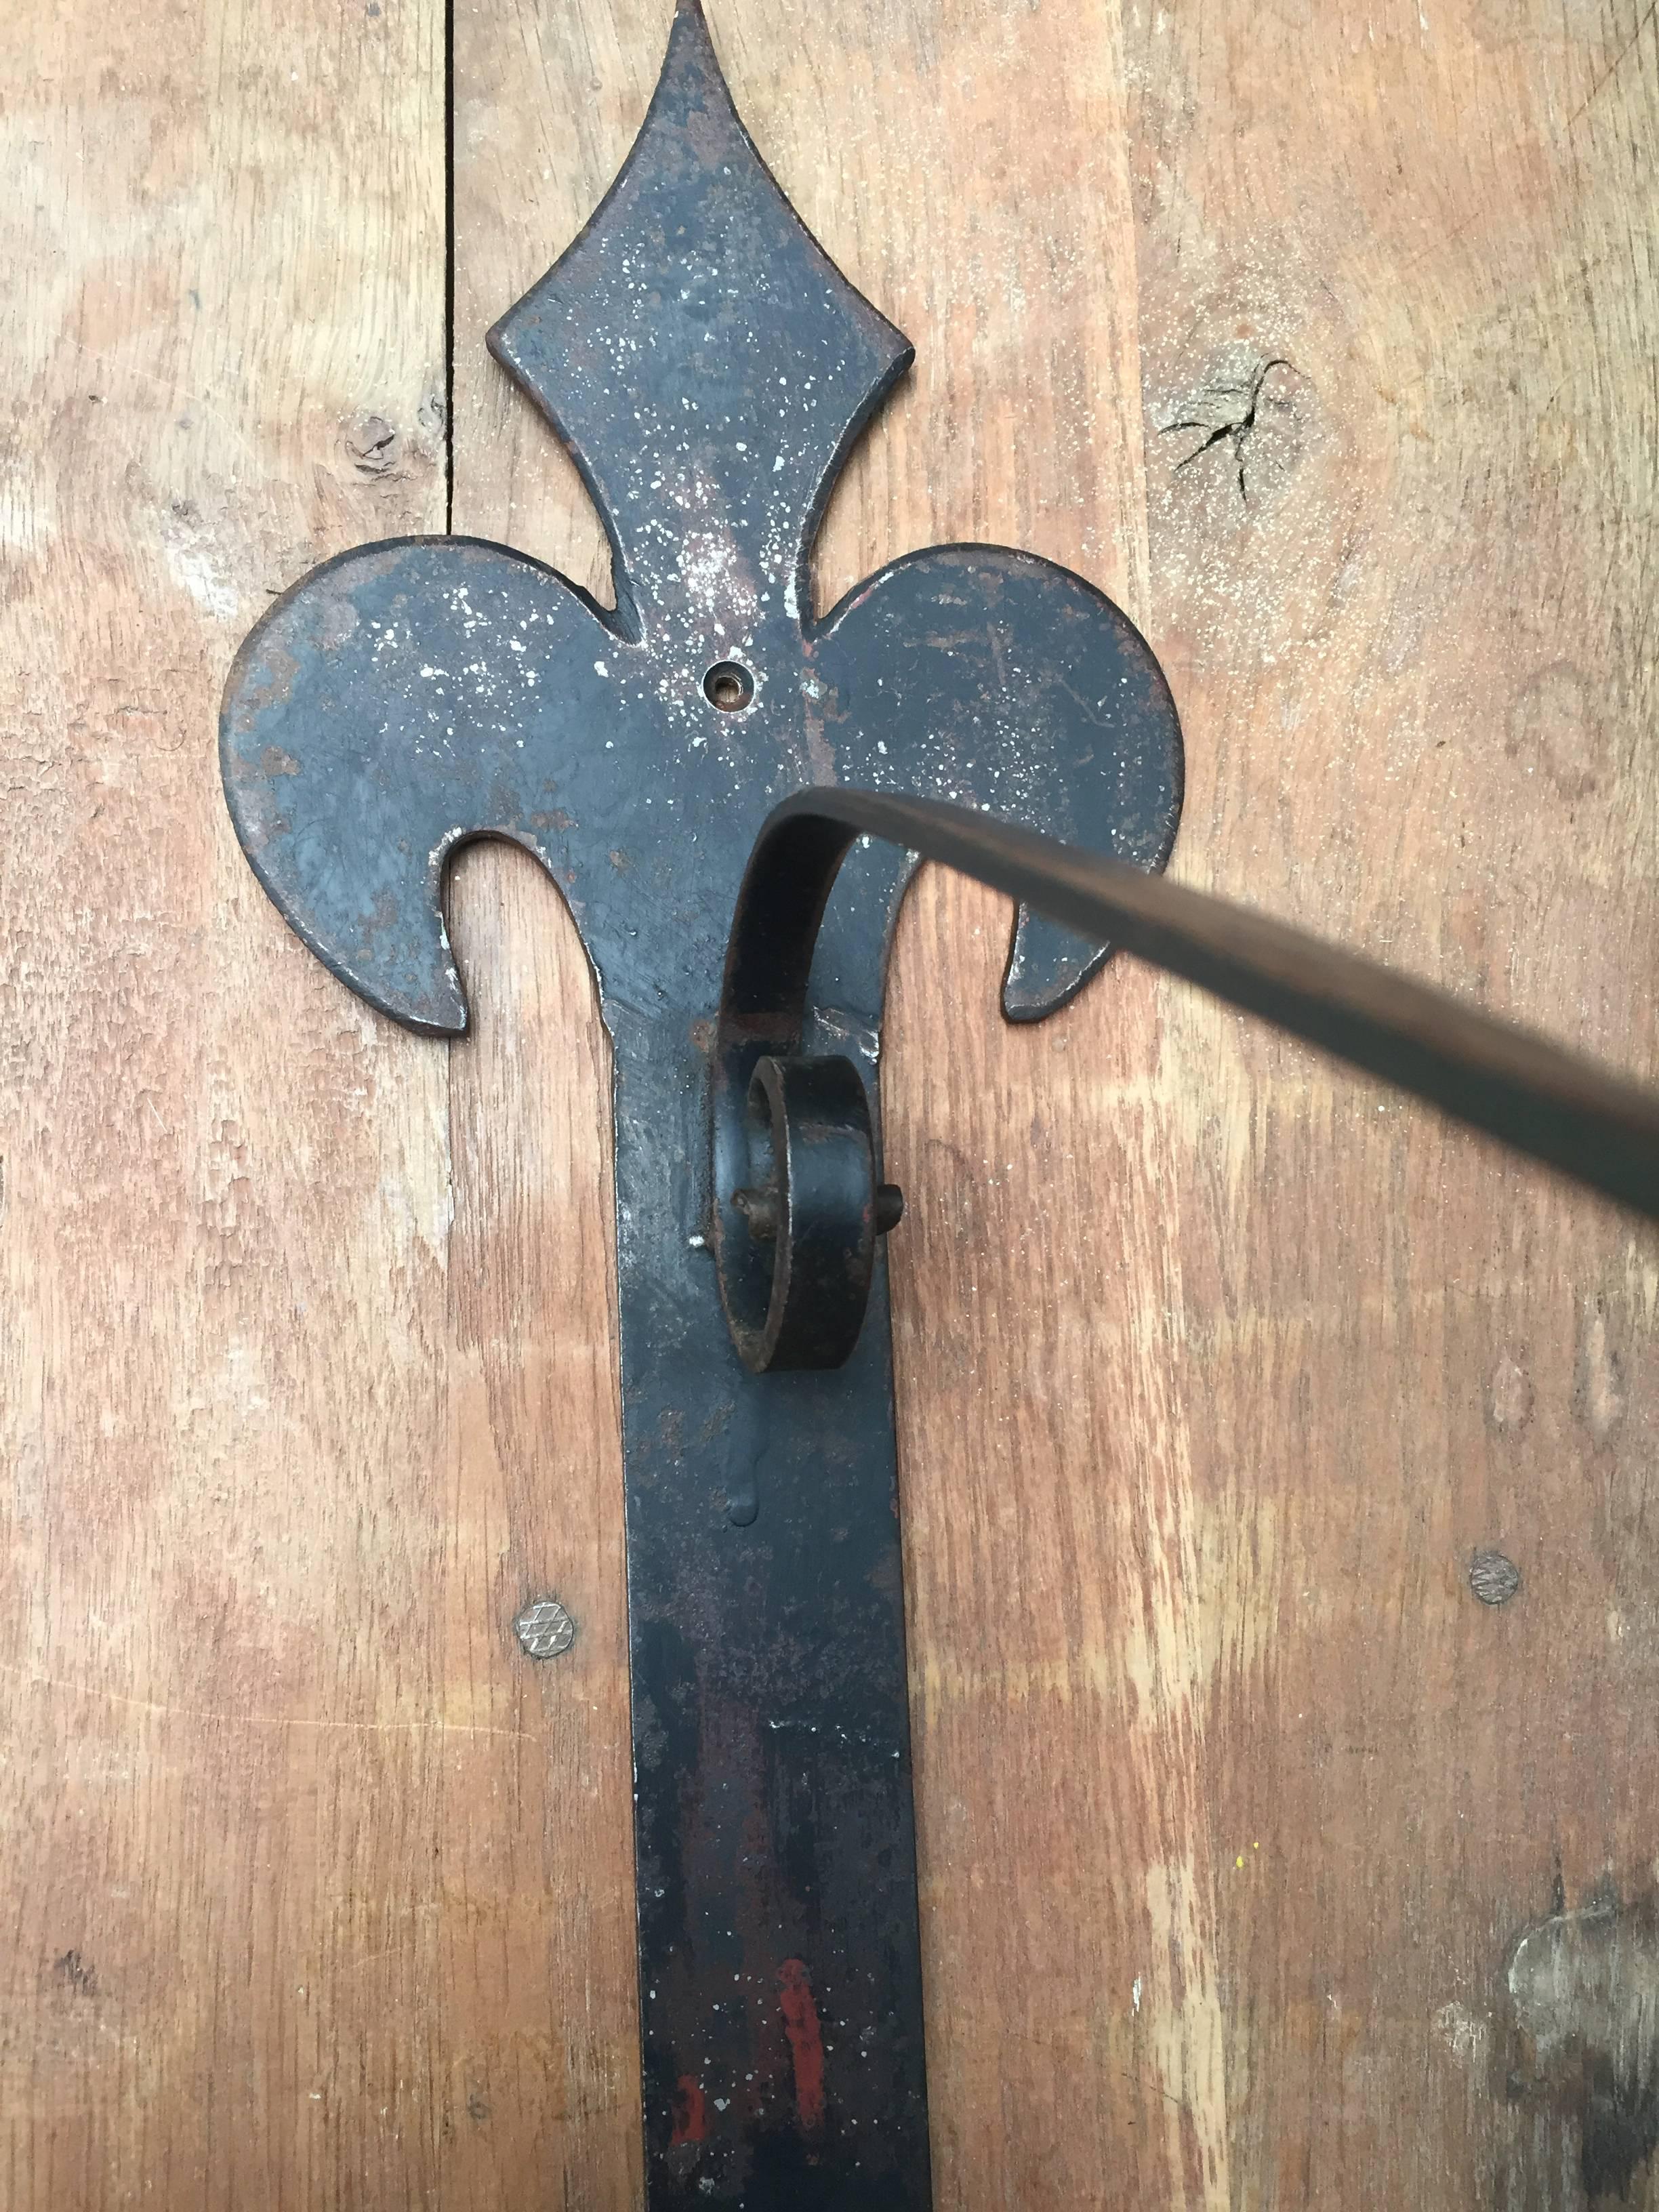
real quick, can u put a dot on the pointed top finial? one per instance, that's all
(702, 356)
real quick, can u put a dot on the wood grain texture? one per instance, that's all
(226, 1551)
(1416, 660)
(1263, 1863)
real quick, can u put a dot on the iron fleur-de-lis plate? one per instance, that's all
(709, 370)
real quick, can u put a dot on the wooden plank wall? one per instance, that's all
(1264, 1864)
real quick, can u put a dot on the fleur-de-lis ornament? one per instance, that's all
(709, 369)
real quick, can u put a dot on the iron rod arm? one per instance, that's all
(1598, 1127)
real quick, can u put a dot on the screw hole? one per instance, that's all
(729, 686)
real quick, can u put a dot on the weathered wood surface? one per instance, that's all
(1216, 1367)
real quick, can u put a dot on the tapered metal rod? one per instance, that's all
(1596, 1126)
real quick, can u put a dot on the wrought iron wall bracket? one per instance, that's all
(709, 369)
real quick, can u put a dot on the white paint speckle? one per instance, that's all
(194, 562)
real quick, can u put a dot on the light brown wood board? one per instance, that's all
(1263, 1863)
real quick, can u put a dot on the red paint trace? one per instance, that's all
(690, 2113)
(801, 2024)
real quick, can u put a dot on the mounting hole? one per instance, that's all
(729, 686)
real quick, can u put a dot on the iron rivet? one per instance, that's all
(1493, 1577)
(544, 1628)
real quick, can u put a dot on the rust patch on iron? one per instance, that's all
(690, 2113)
(801, 2024)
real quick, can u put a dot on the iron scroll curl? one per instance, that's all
(1597, 1127)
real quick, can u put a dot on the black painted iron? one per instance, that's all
(795, 1284)
(709, 370)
